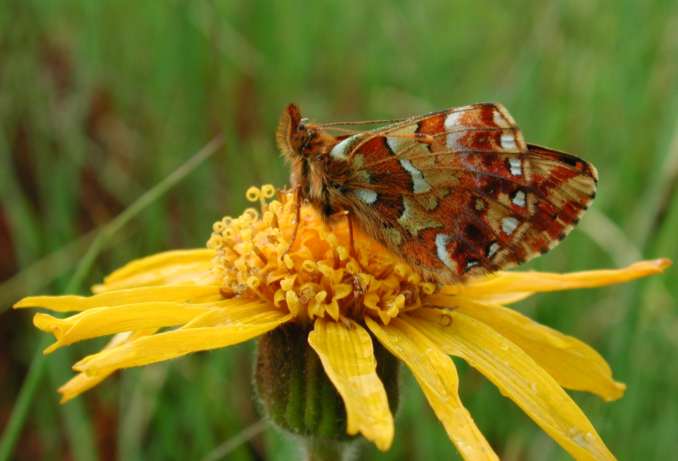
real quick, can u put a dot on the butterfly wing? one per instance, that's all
(459, 192)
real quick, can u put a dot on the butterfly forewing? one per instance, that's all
(460, 193)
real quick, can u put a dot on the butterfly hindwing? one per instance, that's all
(459, 192)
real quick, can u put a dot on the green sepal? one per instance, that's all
(295, 392)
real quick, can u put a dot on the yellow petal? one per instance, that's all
(348, 359)
(503, 298)
(253, 321)
(160, 260)
(437, 376)
(177, 293)
(103, 321)
(574, 364)
(81, 382)
(518, 377)
(534, 282)
(167, 268)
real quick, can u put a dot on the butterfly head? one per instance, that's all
(298, 139)
(294, 134)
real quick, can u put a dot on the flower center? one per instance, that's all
(318, 275)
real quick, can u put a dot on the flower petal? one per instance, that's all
(347, 356)
(177, 293)
(160, 260)
(103, 321)
(503, 298)
(534, 282)
(437, 376)
(167, 268)
(253, 321)
(573, 363)
(81, 382)
(518, 377)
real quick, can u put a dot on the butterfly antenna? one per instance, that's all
(360, 122)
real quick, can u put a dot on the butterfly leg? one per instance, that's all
(297, 218)
(333, 218)
(351, 243)
(353, 279)
(358, 291)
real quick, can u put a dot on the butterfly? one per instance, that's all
(455, 193)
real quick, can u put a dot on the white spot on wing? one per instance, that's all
(492, 250)
(393, 143)
(419, 183)
(453, 141)
(453, 123)
(508, 142)
(366, 195)
(515, 166)
(499, 119)
(471, 263)
(441, 250)
(509, 224)
(452, 120)
(340, 149)
(519, 199)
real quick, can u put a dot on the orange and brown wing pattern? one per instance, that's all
(459, 192)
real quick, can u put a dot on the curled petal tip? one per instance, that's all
(51, 348)
(663, 263)
(66, 394)
(83, 366)
(651, 266)
(80, 366)
(45, 322)
(618, 393)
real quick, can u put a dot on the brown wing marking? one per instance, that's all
(487, 218)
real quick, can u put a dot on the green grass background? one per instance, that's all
(100, 100)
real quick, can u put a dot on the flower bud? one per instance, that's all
(295, 392)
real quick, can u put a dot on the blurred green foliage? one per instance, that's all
(99, 100)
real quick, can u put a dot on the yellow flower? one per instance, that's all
(248, 282)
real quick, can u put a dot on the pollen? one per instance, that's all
(319, 273)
